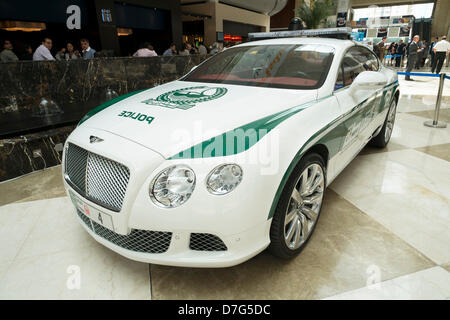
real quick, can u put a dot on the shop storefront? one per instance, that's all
(116, 27)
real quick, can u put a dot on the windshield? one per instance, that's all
(275, 66)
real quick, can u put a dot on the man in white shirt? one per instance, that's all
(440, 49)
(146, 50)
(202, 49)
(43, 51)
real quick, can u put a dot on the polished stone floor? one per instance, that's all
(384, 233)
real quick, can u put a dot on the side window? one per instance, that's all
(352, 68)
(356, 60)
(367, 59)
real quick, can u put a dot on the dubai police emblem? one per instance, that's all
(187, 98)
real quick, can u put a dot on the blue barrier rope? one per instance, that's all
(419, 74)
(447, 77)
(393, 56)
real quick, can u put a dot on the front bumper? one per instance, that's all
(240, 248)
(238, 219)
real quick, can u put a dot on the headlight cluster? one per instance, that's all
(174, 185)
(224, 178)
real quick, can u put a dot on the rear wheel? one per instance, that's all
(382, 139)
(299, 207)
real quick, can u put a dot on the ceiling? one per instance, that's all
(269, 7)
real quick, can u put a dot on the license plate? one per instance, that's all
(101, 218)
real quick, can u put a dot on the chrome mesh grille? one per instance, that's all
(206, 242)
(76, 162)
(99, 179)
(138, 240)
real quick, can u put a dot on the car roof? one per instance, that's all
(337, 43)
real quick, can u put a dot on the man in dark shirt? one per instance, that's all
(436, 40)
(7, 55)
(413, 51)
(400, 52)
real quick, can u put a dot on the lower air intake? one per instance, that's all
(138, 240)
(206, 242)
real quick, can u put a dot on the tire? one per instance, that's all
(382, 138)
(303, 220)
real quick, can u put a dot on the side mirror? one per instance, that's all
(368, 80)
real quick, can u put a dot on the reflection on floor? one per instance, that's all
(383, 234)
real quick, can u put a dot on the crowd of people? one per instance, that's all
(43, 51)
(419, 53)
(147, 50)
(70, 52)
(416, 52)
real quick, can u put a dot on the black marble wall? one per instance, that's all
(41, 101)
(39, 94)
(37, 151)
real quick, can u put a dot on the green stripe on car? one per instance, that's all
(239, 139)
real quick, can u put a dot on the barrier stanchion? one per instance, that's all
(435, 122)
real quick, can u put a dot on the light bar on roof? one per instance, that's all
(341, 32)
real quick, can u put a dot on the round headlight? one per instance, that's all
(224, 178)
(173, 186)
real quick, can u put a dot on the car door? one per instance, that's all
(357, 109)
(374, 96)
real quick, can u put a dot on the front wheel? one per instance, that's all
(299, 207)
(382, 139)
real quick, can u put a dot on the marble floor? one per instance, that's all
(384, 233)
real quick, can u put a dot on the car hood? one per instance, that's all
(177, 115)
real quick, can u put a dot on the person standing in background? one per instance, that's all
(391, 51)
(400, 52)
(424, 53)
(186, 49)
(7, 54)
(146, 50)
(171, 51)
(440, 50)
(28, 55)
(202, 49)
(380, 48)
(214, 48)
(71, 53)
(61, 54)
(413, 51)
(43, 51)
(432, 54)
(419, 55)
(193, 50)
(87, 51)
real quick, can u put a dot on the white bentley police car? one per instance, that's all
(231, 159)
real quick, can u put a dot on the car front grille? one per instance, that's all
(138, 240)
(206, 242)
(97, 178)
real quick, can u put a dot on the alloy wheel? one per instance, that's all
(304, 206)
(390, 122)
